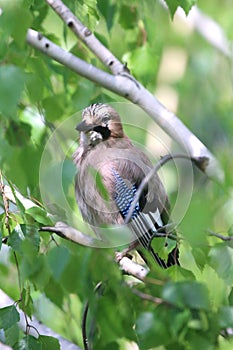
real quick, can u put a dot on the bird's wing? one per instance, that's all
(122, 178)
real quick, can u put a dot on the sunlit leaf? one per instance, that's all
(38, 214)
(185, 4)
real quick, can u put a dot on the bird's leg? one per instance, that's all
(120, 255)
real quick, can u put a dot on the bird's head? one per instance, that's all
(99, 123)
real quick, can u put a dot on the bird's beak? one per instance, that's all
(83, 126)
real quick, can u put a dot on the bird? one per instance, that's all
(106, 152)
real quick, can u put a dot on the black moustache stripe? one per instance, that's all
(103, 130)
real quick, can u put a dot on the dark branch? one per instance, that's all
(199, 161)
(222, 237)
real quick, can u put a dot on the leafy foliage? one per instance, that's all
(186, 5)
(185, 307)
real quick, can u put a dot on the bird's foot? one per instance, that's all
(125, 252)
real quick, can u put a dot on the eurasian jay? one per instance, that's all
(106, 150)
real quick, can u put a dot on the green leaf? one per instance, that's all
(26, 301)
(35, 87)
(102, 39)
(39, 215)
(49, 343)
(11, 86)
(34, 266)
(150, 332)
(185, 4)
(163, 326)
(28, 343)
(16, 238)
(221, 259)
(128, 16)
(112, 346)
(18, 133)
(39, 10)
(163, 246)
(143, 62)
(198, 341)
(108, 10)
(15, 20)
(56, 298)
(225, 317)
(191, 294)
(58, 258)
(12, 335)
(105, 310)
(87, 10)
(22, 20)
(215, 285)
(8, 316)
(54, 107)
(22, 232)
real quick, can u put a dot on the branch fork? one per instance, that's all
(122, 83)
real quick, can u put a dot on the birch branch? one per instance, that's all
(5, 300)
(122, 84)
(210, 30)
(133, 269)
(70, 233)
(89, 39)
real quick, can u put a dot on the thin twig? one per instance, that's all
(5, 202)
(222, 237)
(152, 172)
(154, 281)
(148, 297)
(99, 288)
(84, 326)
(18, 274)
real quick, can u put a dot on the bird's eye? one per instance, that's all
(105, 119)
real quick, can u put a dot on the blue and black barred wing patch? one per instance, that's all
(144, 225)
(124, 196)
